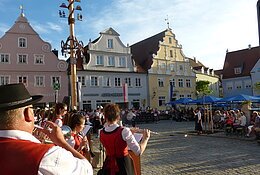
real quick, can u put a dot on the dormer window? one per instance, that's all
(110, 43)
(237, 70)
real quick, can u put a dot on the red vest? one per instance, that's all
(114, 143)
(21, 156)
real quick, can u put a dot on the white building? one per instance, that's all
(107, 74)
(255, 76)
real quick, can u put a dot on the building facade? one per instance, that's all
(203, 73)
(255, 75)
(26, 58)
(238, 65)
(170, 75)
(107, 74)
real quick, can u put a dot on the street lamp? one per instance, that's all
(71, 46)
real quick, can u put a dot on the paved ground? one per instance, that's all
(171, 152)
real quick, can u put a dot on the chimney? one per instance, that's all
(249, 46)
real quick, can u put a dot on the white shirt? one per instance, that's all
(243, 120)
(199, 115)
(56, 161)
(59, 122)
(127, 136)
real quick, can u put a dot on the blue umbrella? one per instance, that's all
(241, 98)
(180, 101)
(205, 100)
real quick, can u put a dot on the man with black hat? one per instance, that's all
(20, 151)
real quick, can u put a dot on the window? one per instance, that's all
(22, 59)
(171, 53)
(138, 82)
(239, 87)
(38, 59)
(55, 80)
(189, 95)
(93, 81)
(128, 81)
(161, 101)
(106, 82)
(122, 62)
(181, 96)
(39, 81)
(100, 60)
(248, 85)
(180, 81)
(81, 79)
(22, 79)
(170, 40)
(111, 61)
(4, 79)
(4, 58)
(172, 82)
(188, 84)
(181, 68)
(117, 82)
(163, 65)
(172, 67)
(160, 82)
(229, 87)
(110, 43)
(237, 70)
(22, 42)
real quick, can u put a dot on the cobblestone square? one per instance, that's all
(171, 152)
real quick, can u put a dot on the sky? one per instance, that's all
(204, 28)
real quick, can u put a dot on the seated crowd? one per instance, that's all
(235, 121)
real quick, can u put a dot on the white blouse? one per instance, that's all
(127, 136)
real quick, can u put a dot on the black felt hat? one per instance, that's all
(14, 96)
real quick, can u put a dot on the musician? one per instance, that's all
(77, 123)
(117, 140)
(21, 152)
(60, 111)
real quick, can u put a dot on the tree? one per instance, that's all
(202, 88)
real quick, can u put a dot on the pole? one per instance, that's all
(73, 76)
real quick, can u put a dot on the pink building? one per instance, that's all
(26, 58)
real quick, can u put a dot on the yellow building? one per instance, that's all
(170, 75)
(203, 73)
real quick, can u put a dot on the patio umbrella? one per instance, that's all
(180, 101)
(205, 100)
(241, 98)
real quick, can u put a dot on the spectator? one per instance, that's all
(131, 117)
(17, 144)
(254, 123)
(198, 121)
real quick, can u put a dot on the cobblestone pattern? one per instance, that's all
(171, 152)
